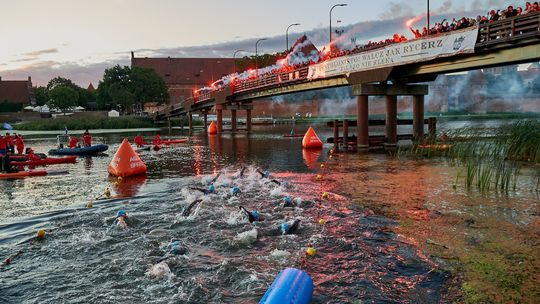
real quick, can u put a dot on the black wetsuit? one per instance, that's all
(5, 165)
(249, 214)
(187, 211)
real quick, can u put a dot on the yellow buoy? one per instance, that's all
(311, 251)
(107, 193)
(330, 157)
(322, 221)
(41, 234)
(322, 166)
(89, 204)
(318, 177)
(325, 195)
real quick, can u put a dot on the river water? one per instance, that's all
(380, 213)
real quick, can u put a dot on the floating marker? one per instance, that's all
(291, 286)
(325, 195)
(212, 128)
(41, 234)
(311, 140)
(311, 251)
(126, 162)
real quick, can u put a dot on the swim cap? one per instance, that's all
(266, 173)
(211, 188)
(255, 215)
(235, 190)
(121, 213)
(287, 199)
(225, 185)
(284, 228)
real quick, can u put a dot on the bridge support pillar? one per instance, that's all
(205, 119)
(391, 121)
(336, 135)
(190, 121)
(418, 118)
(219, 118)
(362, 124)
(345, 135)
(233, 121)
(248, 120)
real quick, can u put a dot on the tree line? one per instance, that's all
(123, 88)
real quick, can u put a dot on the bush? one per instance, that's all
(6, 106)
(86, 123)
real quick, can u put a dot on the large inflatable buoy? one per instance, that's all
(311, 140)
(291, 286)
(126, 162)
(212, 128)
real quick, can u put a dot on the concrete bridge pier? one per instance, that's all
(190, 121)
(219, 118)
(234, 122)
(205, 121)
(345, 135)
(248, 120)
(391, 121)
(362, 124)
(418, 118)
(336, 135)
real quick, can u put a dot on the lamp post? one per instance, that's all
(257, 56)
(287, 35)
(341, 4)
(234, 59)
(427, 16)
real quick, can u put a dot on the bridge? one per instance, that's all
(509, 41)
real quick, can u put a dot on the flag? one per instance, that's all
(7, 126)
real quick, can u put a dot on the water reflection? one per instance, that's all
(128, 187)
(311, 157)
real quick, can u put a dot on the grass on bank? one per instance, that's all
(73, 123)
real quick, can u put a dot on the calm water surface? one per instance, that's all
(362, 251)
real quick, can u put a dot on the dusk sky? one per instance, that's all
(79, 39)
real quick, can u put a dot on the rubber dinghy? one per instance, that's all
(80, 151)
(293, 135)
(173, 141)
(45, 161)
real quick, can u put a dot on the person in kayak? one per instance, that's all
(32, 155)
(10, 144)
(87, 138)
(73, 141)
(19, 142)
(139, 140)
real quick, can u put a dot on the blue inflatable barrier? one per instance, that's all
(291, 286)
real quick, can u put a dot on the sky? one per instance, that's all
(79, 39)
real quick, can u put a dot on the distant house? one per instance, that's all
(184, 75)
(18, 92)
(91, 88)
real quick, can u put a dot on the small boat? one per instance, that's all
(80, 151)
(24, 157)
(22, 174)
(173, 141)
(45, 161)
(293, 135)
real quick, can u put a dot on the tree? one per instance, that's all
(42, 95)
(130, 88)
(63, 97)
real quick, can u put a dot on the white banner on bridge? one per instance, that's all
(418, 50)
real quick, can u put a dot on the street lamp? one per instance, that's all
(256, 56)
(287, 35)
(341, 4)
(234, 59)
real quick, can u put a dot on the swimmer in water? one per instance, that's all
(288, 202)
(242, 172)
(211, 189)
(120, 220)
(235, 191)
(187, 211)
(216, 177)
(287, 228)
(172, 248)
(264, 174)
(253, 216)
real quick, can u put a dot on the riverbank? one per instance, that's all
(86, 123)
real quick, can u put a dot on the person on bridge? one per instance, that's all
(139, 140)
(157, 140)
(87, 138)
(10, 144)
(19, 142)
(73, 141)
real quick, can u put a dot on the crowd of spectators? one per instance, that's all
(438, 28)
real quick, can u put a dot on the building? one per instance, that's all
(184, 75)
(17, 92)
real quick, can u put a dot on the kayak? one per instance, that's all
(173, 141)
(80, 151)
(293, 135)
(24, 174)
(46, 161)
(24, 157)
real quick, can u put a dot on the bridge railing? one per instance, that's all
(508, 29)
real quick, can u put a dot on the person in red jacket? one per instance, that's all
(32, 156)
(10, 144)
(2, 145)
(73, 142)
(19, 142)
(139, 140)
(87, 138)
(157, 140)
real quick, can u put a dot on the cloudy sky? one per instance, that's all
(79, 39)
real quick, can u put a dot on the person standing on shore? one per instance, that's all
(87, 138)
(10, 145)
(2, 145)
(19, 142)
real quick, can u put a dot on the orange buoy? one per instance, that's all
(126, 162)
(212, 129)
(311, 140)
